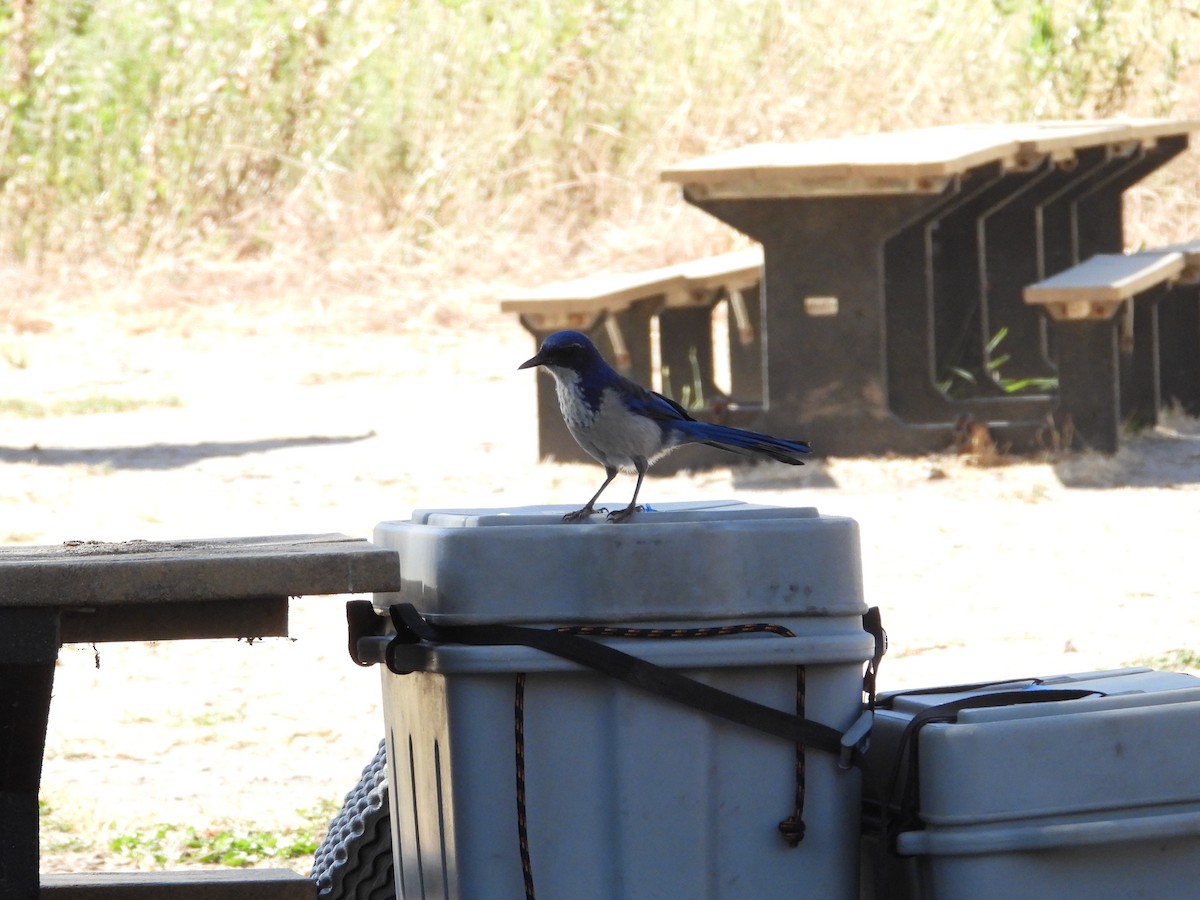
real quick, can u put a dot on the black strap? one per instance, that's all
(887, 699)
(631, 670)
(873, 625)
(361, 621)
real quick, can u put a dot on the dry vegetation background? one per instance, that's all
(249, 258)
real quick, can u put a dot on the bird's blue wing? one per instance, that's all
(653, 405)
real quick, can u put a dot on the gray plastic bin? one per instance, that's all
(1096, 797)
(626, 794)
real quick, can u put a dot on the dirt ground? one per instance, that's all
(298, 423)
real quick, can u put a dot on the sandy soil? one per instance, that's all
(1031, 568)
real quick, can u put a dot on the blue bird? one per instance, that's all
(625, 426)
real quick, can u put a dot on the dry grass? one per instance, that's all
(392, 158)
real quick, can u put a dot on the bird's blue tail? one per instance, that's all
(747, 443)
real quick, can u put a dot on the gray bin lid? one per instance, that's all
(683, 562)
(1120, 753)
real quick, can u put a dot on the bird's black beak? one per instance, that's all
(531, 362)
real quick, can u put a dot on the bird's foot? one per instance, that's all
(582, 515)
(621, 515)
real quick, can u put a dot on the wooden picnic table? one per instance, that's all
(894, 260)
(86, 591)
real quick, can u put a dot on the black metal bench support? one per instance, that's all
(1089, 377)
(28, 651)
(746, 349)
(1138, 342)
(1179, 348)
(686, 353)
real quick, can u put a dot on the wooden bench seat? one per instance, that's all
(661, 315)
(1191, 258)
(1119, 369)
(1096, 288)
(579, 302)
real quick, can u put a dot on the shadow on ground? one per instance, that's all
(152, 457)
(1164, 457)
(766, 477)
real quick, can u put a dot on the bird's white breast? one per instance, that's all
(611, 432)
(575, 410)
(622, 436)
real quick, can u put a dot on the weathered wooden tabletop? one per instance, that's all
(160, 590)
(913, 161)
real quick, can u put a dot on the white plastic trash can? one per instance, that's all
(514, 770)
(1095, 797)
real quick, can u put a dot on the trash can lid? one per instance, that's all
(711, 561)
(661, 514)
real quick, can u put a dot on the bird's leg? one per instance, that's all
(621, 515)
(580, 514)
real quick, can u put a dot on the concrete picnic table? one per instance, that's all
(893, 260)
(87, 591)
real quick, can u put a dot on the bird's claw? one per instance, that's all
(621, 515)
(581, 515)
